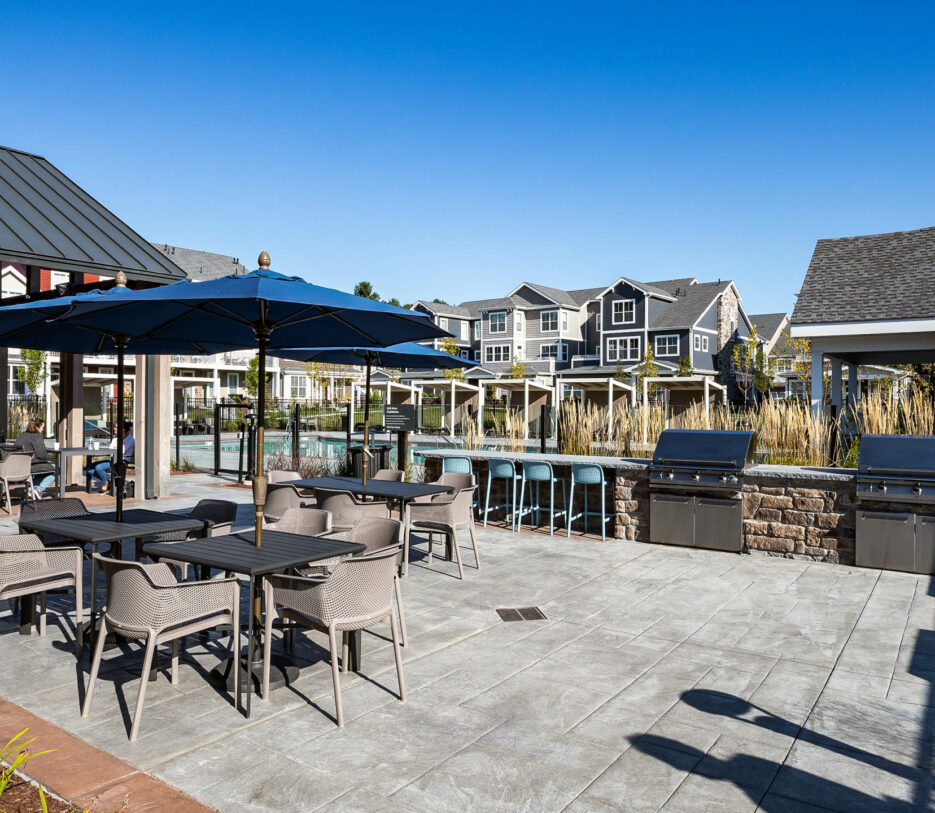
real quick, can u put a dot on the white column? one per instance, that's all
(525, 409)
(836, 382)
(451, 412)
(481, 400)
(817, 379)
(853, 387)
(707, 403)
(645, 411)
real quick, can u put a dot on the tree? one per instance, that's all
(440, 301)
(744, 358)
(763, 372)
(647, 368)
(449, 345)
(393, 301)
(621, 374)
(365, 289)
(34, 370)
(518, 368)
(252, 379)
(685, 367)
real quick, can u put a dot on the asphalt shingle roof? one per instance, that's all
(767, 324)
(559, 295)
(446, 310)
(585, 294)
(869, 278)
(670, 286)
(201, 265)
(684, 311)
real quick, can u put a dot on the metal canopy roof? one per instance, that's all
(47, 220)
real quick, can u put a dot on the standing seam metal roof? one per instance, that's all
(49, 221)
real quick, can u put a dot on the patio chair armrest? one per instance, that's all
(218, 528)
(207, 596)
(302, 593)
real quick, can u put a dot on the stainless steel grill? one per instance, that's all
(695, 483)
(895, 489)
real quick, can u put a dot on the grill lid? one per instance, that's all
(897, 455)
(704, 448)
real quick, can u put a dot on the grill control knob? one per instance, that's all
(723, 478)
(917, 488)
(696, 476)
(671, 475)
(882, 488)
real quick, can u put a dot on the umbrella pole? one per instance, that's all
(259, 480)
(118, 470)
(365, 457)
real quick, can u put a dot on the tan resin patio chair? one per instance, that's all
(145, 603)
(16, 469)
(356, 596)
(220, 516)
(279, 499)
(346, 511)
(282, 476)
(445, 515)
(55, 508)
(393, 475)
(28, 568)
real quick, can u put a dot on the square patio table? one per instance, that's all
(74, 451)
(238, 553)
(386, 489)
(103, 528)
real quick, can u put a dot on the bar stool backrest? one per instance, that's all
(502, 468)
(587, 474)
(462, 465)
(541, 472)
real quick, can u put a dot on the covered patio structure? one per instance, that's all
(606, 393)
(460, 401)
(685, 391)
(66, 242)
(529, 395)
(395, 392)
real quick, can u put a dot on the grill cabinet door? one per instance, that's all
(925, 545)
(718, 524)
(885, 541)
(671, 520)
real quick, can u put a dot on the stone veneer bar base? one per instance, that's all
(790, 511)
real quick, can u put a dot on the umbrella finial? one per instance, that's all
(121, 279)
(263, 260)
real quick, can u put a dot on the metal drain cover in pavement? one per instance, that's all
(520, 614)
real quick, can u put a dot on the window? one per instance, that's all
(17, 387)
(518, 319)
(564, 320)
(477, 353)
(443, 323)
(626, 348)
(548, 321)
(597, 321)
(233, 381)
(497, 322)
(464, 330)
(477, 331)
(465, 354)
(297, 385)
(667, 344)
(563, 351)
(624, 311)
(548, 351)
(697, 341)
(704, 344)
(498, 352)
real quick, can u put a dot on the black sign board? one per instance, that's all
(399, 417)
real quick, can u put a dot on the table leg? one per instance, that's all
(60, 468)
(353, 651)
(249, 670)
(27, 614)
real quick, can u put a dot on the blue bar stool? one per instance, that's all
(462, 465)
(502, 470)
(588, 474)
(541, 473)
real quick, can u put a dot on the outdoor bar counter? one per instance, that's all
(793, 511)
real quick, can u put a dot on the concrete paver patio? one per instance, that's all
(662, 679)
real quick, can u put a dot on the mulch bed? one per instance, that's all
(21, 796)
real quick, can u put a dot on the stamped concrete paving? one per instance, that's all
(662, 679)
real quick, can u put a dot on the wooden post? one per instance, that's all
(402, 452)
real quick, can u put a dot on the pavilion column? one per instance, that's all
(853, 387)
(836, 389)
(481, 399)
(152, 426)
(817, 379)
(707, 403)
(71, 412)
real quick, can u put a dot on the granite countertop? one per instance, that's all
(638, 463)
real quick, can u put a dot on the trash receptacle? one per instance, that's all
(380, 456)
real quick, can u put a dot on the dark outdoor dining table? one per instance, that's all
(238, 553)
(381, 489)
(99, 529)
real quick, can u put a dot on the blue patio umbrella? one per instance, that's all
(261, 309)
(411, 355)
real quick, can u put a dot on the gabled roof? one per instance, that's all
(894, 274)
(443, 309)
(768, 324)
(689, 306)
(48, 221)
(640, 286)
(672, 286)
(477, 306)
(584, 295)
(201, 265)
(557, 295)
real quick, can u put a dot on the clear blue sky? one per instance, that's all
(456, 150)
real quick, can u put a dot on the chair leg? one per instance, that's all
(6, 492)
(603, 516)
(335, 675)
(399, 660)
(95, 666)
(454, 544)
(406, 551)
(431, 542)
(79, 615)
(267, 645)
(399, 608)
(487, 503)
(552, 507)
(345, 652)
(571, 507)
(174, 669)
(235, 647)
(42, 612)
(522, 494)
(474, 544)
(144, 680)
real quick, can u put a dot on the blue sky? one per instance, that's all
(454, 150)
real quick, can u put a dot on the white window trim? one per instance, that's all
(490, 322)
(563, 351)
(598, 318)
(697, 342)
(477, 355)
(564, 321)
(542, 316)
(505, 355)
(704, 344)
(666, 336)
(465, 354)
(614, 344)
(477, 330)
(463, 333)
(622, 320)
(443, 322)
(518, 322)
(550, 345)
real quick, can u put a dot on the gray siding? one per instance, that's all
(656, 306)
(702, 360)
(709, 318)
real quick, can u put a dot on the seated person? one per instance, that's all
(100, 472)
(31, 440)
